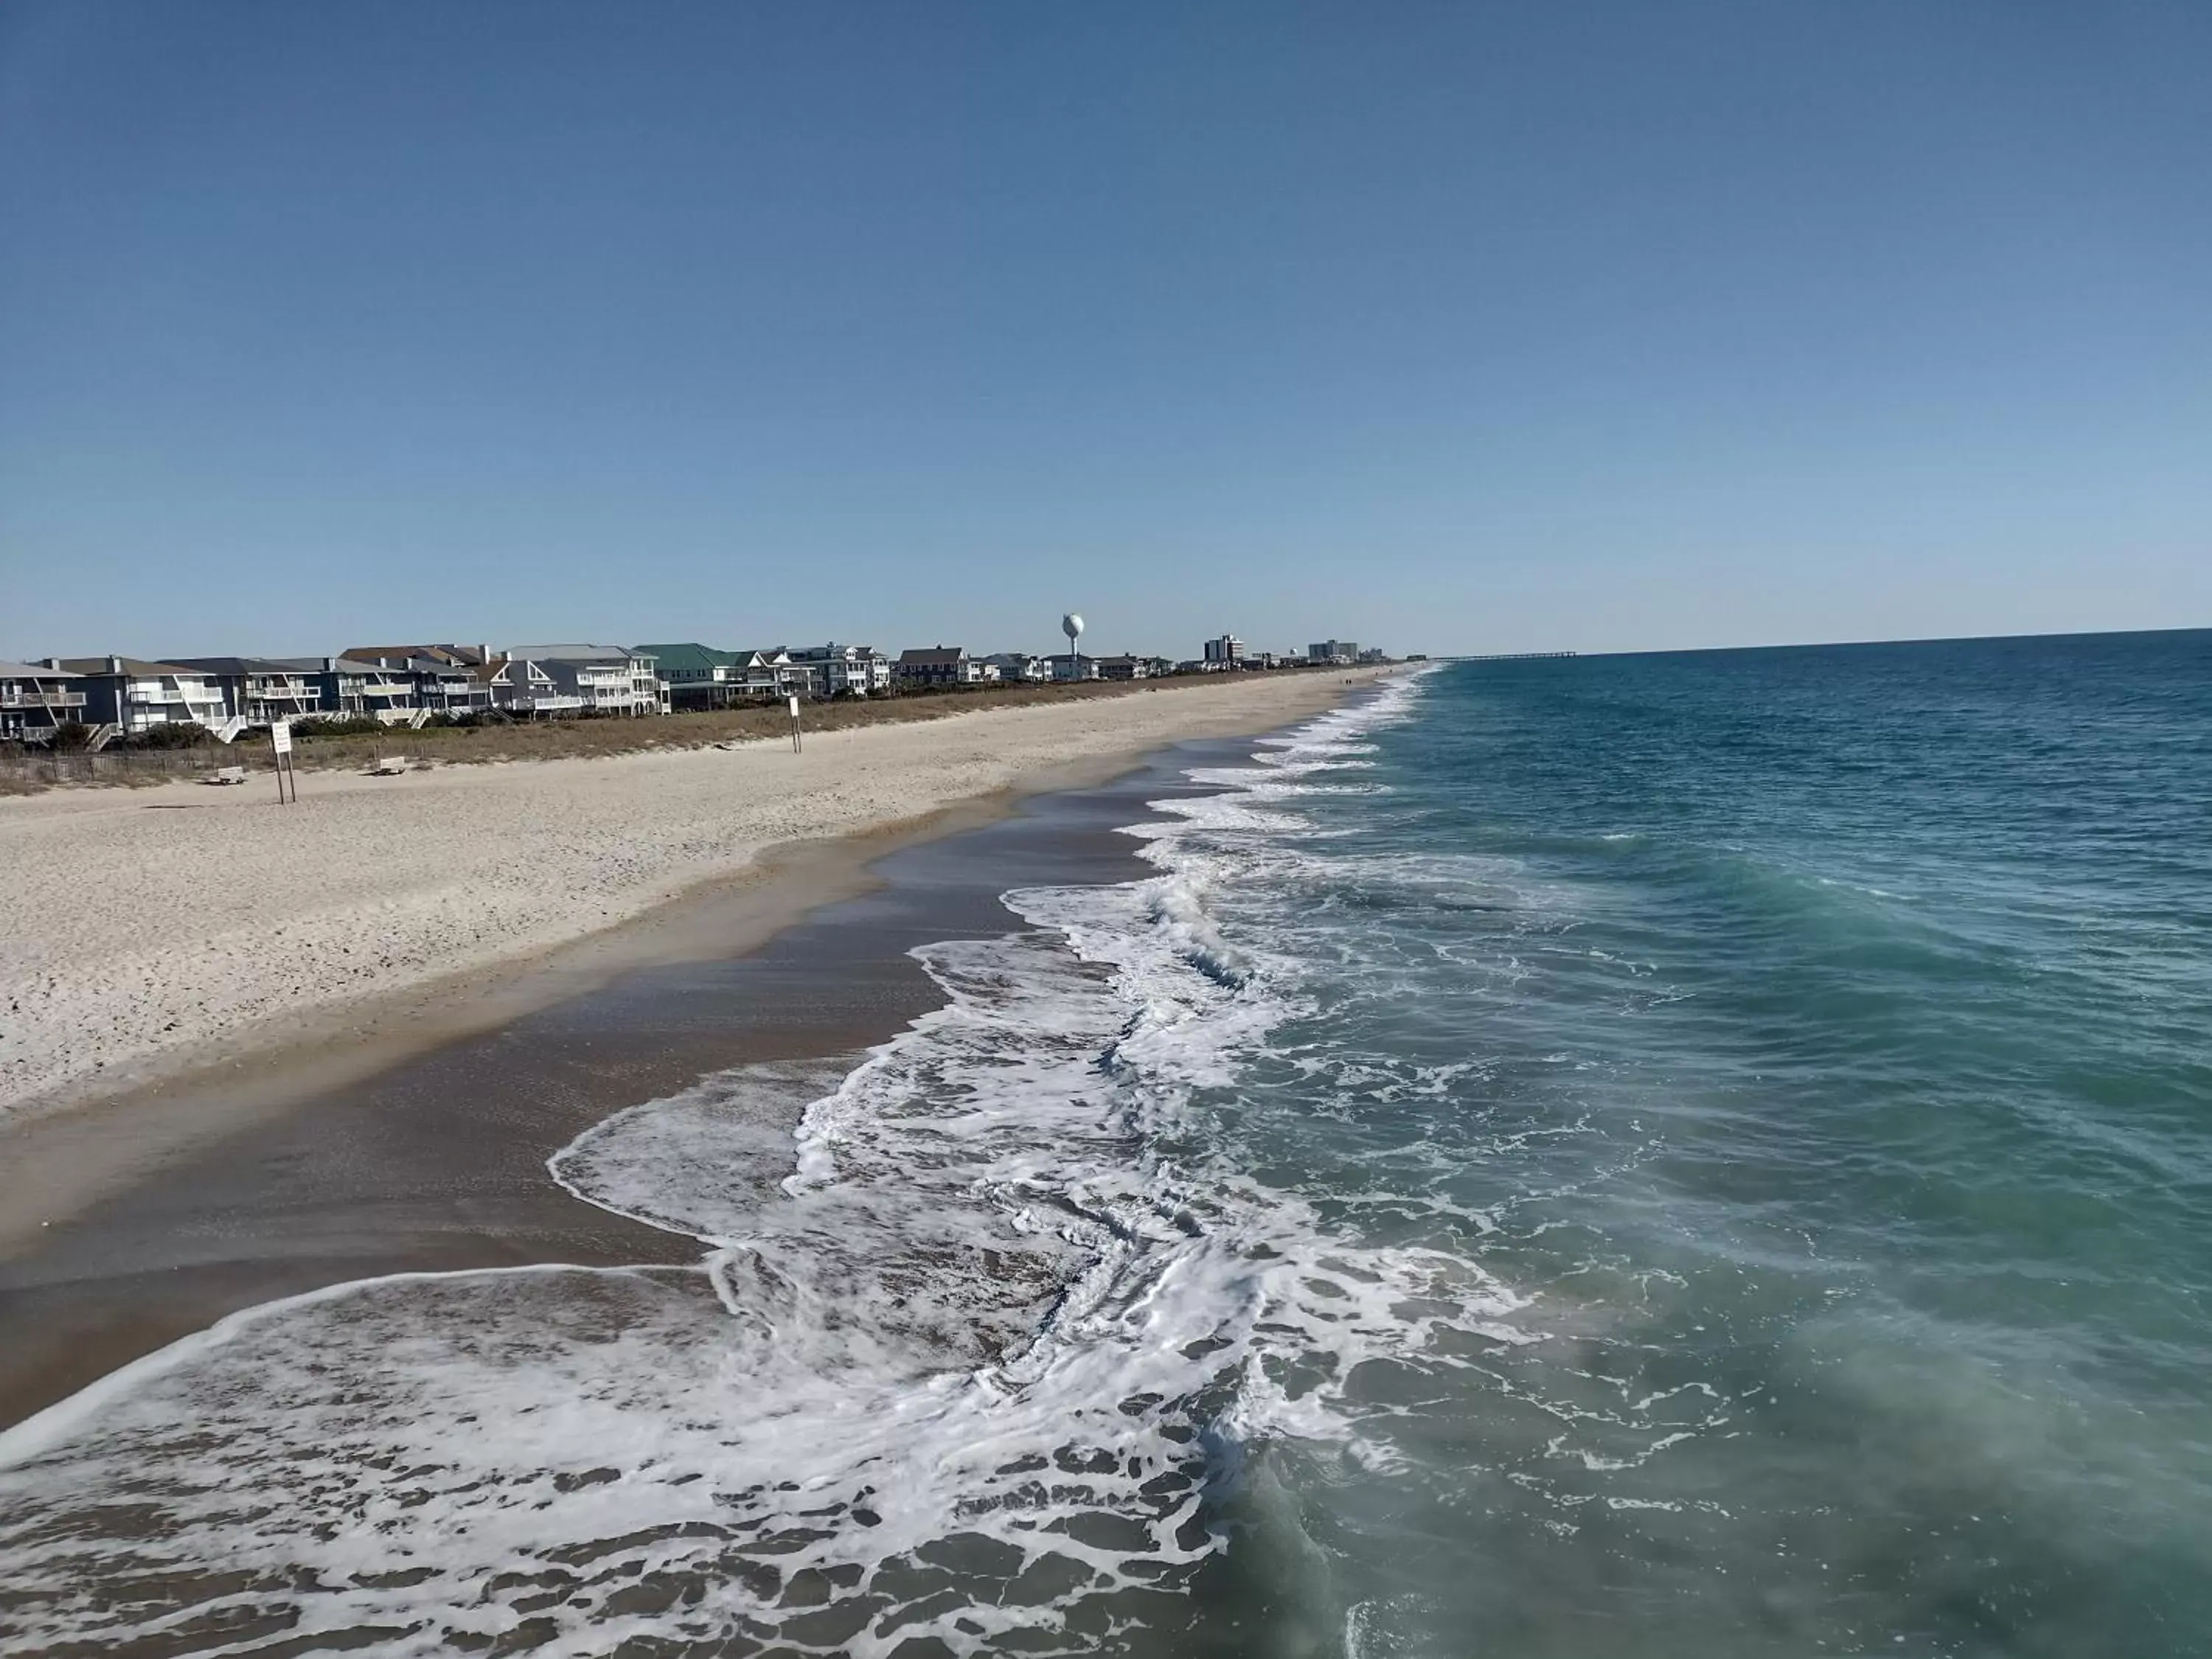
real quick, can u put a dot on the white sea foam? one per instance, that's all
(983, 1353)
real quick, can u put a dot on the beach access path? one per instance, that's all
(146, 933)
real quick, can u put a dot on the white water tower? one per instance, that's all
(1072, 625)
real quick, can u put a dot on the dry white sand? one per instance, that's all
(139, 927)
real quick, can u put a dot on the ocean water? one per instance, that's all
(1699, 1155)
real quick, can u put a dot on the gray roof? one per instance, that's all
(319, 665)
(251, 665)
(567, 653)
(30, 671)
(137, 667)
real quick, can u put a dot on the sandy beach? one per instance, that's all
(145, 933)
(131, 1221)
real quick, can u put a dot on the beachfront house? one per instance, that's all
(1074, 665)
(1020, 667)
(771, 674)
(604, 679)
(135, 695)
(697, 675)
(925, 666)
(259, 691)
(524, 689)
(445, 678)
(352, 689)
(858, 671)
(447, 687)
(1125, 668)
(35, 702)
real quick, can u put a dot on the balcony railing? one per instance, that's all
(41, 699)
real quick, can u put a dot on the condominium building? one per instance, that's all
(447, 678)
(354, 690)
(35, 701)
(136, 695)
(261, 690)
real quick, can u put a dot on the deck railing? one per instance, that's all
(41, 699)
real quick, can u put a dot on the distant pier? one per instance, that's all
(1521, 656)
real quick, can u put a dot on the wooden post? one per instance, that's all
(280, 743)
(795, 745)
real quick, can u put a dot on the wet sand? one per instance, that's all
(438, 1163)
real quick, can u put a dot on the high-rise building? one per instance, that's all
(1227, 649)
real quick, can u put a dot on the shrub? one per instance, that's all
(71, 735)
(337, 726)
(179, 734)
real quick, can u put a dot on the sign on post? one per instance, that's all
(280, 743)
(794, 724)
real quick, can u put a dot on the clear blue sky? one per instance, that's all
(1451, 326)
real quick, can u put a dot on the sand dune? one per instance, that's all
(145, 928)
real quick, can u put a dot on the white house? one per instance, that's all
(859, 670)
(772, 673)
(1020, 667)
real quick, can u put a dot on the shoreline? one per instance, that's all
(129, 1224)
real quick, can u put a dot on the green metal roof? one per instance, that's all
(694, 656)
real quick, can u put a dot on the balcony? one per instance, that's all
(54, 700)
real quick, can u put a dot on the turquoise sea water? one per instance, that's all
(1700, 1154)
(1822, 1040)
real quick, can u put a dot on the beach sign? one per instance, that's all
(794, 724)
(280, 745)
